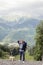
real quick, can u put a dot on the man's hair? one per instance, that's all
(18, 41)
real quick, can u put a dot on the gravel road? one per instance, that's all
(9, 62)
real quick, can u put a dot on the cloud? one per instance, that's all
(11, 8)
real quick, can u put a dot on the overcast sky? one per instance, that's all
(10, 9)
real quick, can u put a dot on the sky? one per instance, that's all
(10, 9)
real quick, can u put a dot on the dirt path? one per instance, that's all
(9, 62)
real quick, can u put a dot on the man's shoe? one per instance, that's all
(23, 61)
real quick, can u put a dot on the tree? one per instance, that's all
(38, 51)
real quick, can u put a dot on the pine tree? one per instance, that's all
(38, 51)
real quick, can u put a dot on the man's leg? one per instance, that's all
(20, 55)
(23, 56)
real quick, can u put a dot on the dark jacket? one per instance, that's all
(24, 46)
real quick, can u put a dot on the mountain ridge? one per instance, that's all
(13, 31)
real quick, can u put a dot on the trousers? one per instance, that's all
(22, 55)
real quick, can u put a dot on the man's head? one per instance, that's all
(20, 41)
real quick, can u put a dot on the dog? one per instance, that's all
(11, 58)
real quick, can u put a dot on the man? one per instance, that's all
(22, 49)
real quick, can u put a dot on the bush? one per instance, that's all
(2, 53)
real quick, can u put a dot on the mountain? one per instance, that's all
(26, 23)
(24, 28)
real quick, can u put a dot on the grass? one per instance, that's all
(27, 56)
